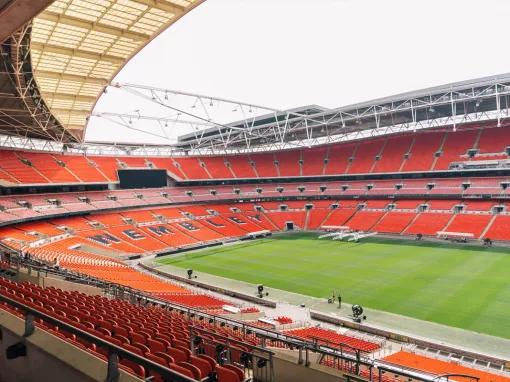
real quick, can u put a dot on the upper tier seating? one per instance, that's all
(457, 144)
(216, 166)
(240, 166)
(493, 142)
(169, 165)
(288, 163)
(48, 166)
(421, 156)
(16, 171)
(192, 168)
(107, 166)
(392, 157)
(432, 150)
(265, 165)
(338, 159)
(313, 161)
(365, 156)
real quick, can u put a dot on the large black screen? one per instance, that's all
(142, 178)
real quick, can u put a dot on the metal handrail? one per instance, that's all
(113, 350)
(264, 334)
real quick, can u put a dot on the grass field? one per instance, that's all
(464, 287)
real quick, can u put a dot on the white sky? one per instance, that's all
(289, 53)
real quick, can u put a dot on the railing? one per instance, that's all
(115, 352)
(356, 359)
(258, 359)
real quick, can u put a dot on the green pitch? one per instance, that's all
(458, 286)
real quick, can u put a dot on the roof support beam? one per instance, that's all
(60, 110)
(77, 53)
(69, 97)
(92, 26)
(163, 5)
(71, 77)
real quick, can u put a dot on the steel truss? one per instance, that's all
(474, 101)
(264, 128)
(23, 111)
(198, 118)
(486, 99)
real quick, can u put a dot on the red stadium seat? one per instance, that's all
(227, 375)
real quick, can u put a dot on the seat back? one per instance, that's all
(197, 374)
(238, 371)
(204, 365)
(135, 368)
(181, 370)
(226, 375)
(177, 354)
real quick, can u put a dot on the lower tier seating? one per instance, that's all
(151, 332)
(394, 222)
(329, 337)
(500, 229)
(475, 224)
(440, 367)
(428, 224)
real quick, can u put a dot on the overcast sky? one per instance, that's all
(289, 53)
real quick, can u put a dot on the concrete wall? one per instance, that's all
(53, 281)
(70, 286)
(286, 368)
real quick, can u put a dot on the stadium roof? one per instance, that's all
(473, 101)
(56, 67)
(453, 104)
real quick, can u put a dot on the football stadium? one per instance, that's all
(364, 243)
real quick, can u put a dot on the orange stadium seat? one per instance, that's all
(456, 145)
(424, 146)
(338, 159)
(428, 224)
(394, 222)
(392, 157)
(265, 165)
(82, 168)
(217, 167)
(15, 169)
(240, 166)
(364, 156)
(192, 168)
(48, 166)
(330, 337)
(469, 223)
(288, 162)
(440, 367)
